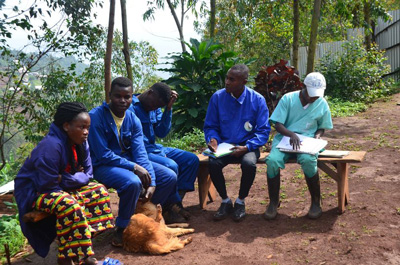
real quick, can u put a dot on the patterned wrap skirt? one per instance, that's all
(80, 213)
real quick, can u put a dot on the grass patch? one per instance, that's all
(341, 108)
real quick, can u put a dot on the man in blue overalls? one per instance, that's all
(157, 123)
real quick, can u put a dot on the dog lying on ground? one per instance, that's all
(147, 232)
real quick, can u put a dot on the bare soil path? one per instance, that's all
(367, 233)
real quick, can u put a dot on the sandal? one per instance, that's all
(110, 261)
(89, 261)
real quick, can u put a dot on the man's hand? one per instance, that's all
(212, 145)
(239, 150)
(174, 97)
(143, 175)
(149, 194)
(295, 141)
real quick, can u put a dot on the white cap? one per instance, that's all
(316, 84)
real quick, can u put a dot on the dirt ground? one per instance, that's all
(368, 232)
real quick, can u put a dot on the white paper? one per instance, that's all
(222, 149)
(307, 145)
(334, 153)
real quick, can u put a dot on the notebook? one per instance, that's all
(308, 145)
(222, 150)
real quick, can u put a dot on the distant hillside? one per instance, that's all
(49, 60)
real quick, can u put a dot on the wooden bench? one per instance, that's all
(336, 168)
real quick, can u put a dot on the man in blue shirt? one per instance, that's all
(237, 115)
(304, 112)
(157, 123)
(119, 157)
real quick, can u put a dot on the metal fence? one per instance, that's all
(387, 36)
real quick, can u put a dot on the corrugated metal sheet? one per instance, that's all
(387, 36)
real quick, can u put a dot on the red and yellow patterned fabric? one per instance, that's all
(79, 213)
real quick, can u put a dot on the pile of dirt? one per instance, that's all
(367, 232)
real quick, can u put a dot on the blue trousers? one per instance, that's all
(183, 163)
(129, 186)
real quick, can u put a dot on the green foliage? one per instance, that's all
(356, 75)
(197, 75)
(9, 171)
(144, 59)
(72, 34)
(191, 141)
(340, 108)
(11, 234)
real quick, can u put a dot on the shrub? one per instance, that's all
(196, 76)
(356, 75)
(11, 234)
(191, 141)
(276, 80)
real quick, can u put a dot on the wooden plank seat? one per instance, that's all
(336, 168)
(34, 216)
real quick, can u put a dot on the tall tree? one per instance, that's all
(184, 5)
(212, 18)
(312, 47)
(296, 34)
(368, 28)
(107, 57)
(125, 50)
(72, 34)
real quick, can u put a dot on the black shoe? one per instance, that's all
(117, 238)
(239, 212)
(178, 208)
(172, 217)
(223, 211)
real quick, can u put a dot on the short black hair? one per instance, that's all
(121, 82)
(242, 69)
(163, 91)
(67, 111)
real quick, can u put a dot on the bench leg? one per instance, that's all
(343, 186)
(205, 185)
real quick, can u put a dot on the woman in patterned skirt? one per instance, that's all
(56, 178)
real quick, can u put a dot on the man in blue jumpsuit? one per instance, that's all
(304, 112)
(237, 115)
(157, 123)
(119, 157)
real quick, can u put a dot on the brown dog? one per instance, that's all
(147, 232)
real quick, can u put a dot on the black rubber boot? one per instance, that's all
(313, 186)
(273, 191)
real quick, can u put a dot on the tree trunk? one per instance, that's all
(367, 20)
(178, 24)
(107, 58)
(212, 18)
(312, 47)
(125, 40)
(296, 34)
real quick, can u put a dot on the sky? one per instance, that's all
(161, 33)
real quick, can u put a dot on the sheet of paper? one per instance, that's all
(308, 145)
(334, 153)
(222, 150)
